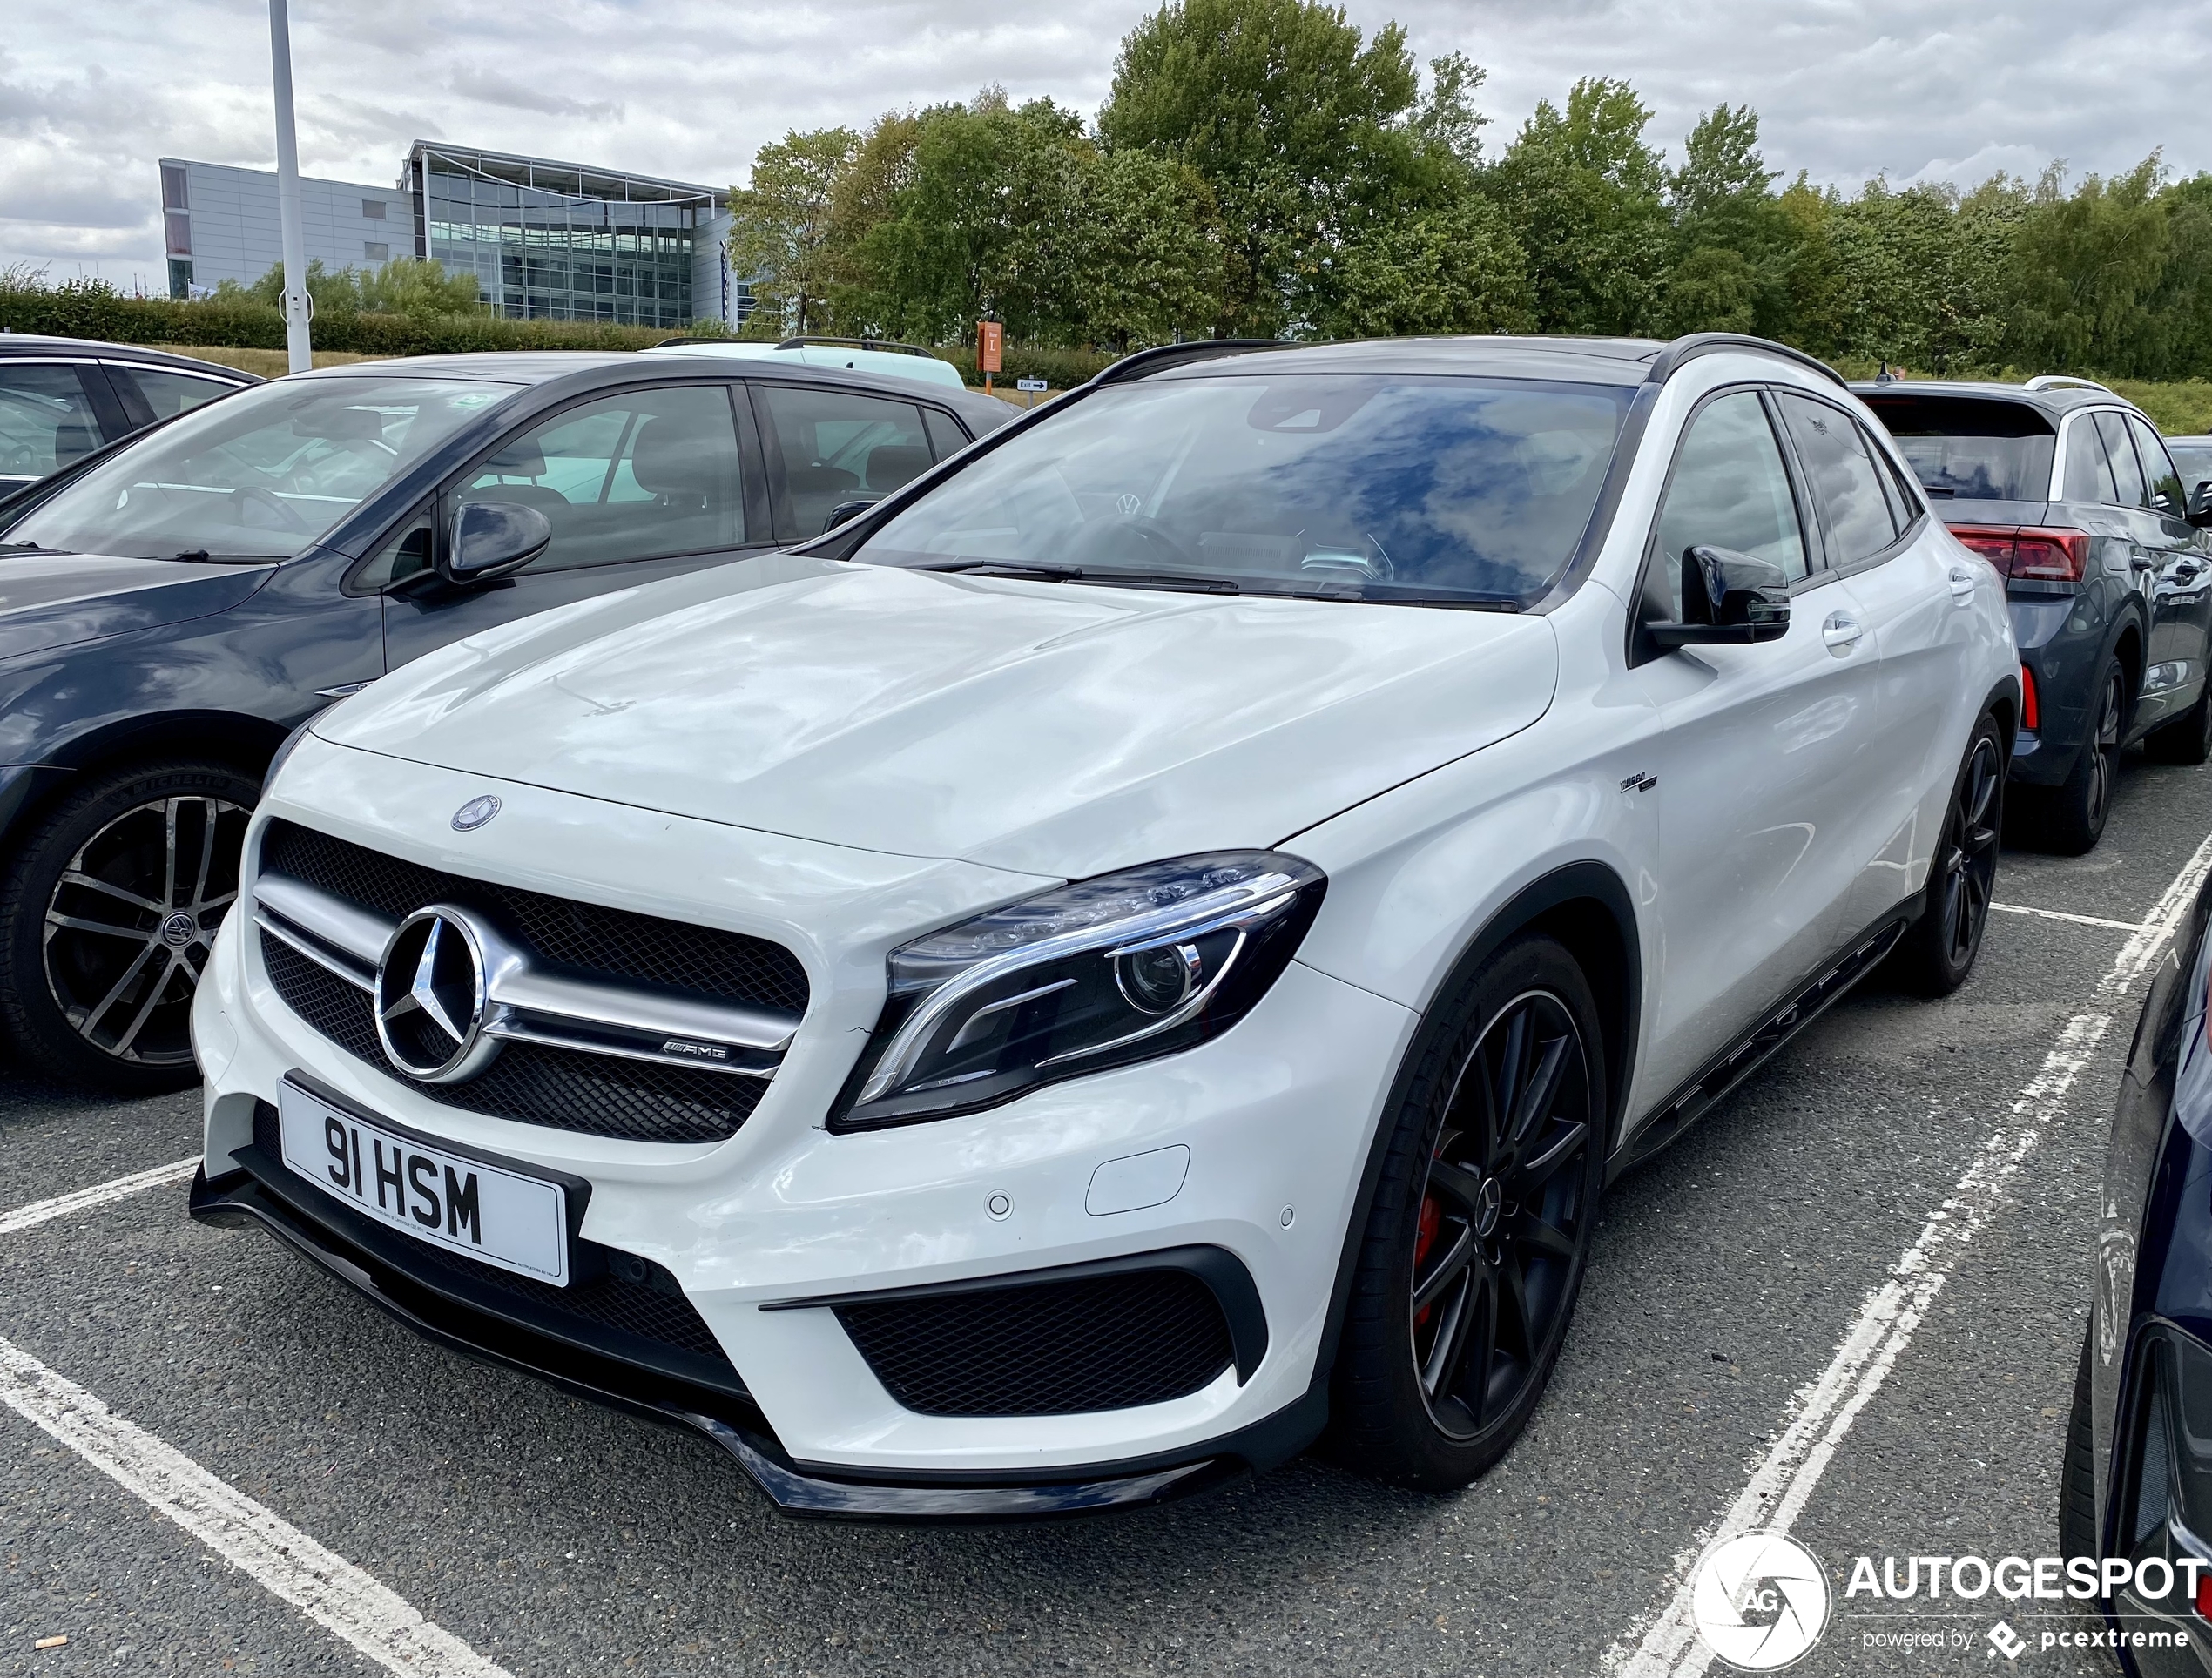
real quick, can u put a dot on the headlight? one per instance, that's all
(1089, 976)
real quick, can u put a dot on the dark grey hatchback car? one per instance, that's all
(2068, 490)
(174, 606)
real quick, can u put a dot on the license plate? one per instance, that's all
(495, 1216)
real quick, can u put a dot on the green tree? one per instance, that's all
(1149, 259)
(332, 291)
(1293, 120)
(1453, 267)
(1582, 189)
(420, 288)
(780, 227)
(1734, 242)
(2086, 267)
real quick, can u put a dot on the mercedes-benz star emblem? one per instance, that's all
(474, 813)
(430, 999)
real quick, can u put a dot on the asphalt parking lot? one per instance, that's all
(553, 1538)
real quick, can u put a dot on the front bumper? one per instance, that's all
(1275, 1118)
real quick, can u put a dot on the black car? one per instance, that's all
(2138, 1466)
(62, 398)
(172, 608)
(2068, 490)
(2193, 456)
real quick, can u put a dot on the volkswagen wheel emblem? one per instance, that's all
(430, 997)
(474, 813)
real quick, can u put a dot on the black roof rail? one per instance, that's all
(804, 339)
(1137, 363)
(1693, 345)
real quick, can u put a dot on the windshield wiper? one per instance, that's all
(1004, 568)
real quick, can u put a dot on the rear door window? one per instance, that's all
(2134, 491)
(646, 475)
(1846, 486)
(168, 393)
(46, 418)
(838, 447)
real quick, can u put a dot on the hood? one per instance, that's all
(53, 600)
(1043, 727)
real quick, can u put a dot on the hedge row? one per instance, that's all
(81, 310)
(1062, 368)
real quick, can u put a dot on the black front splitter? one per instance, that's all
(795, 1487)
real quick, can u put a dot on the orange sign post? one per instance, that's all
(990, 349)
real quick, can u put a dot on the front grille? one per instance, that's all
(607, 943)
(1046, 1348)
(623, 1293)
(532, 1083)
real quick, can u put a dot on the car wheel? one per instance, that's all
(2070, 818)
(1938, 952)
(109, 909)
(2078, 1475)
(2187, 738)
(1481, 1226)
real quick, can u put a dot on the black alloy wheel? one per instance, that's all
(1498, 1229)
(2187, 738)
(1937, 954)
(1481, 1223)
(2069, 819)
(109, 912)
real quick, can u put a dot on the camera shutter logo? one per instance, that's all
(1760, 1600)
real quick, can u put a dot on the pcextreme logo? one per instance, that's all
(1760, 1600)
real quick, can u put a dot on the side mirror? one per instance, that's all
(492, 539)
(1728, 599)
(846, 510)
(2200, 513)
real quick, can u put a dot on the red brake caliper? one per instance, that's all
(1424, 1239)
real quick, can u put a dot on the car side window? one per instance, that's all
(2112, 427)
(170, 394)
(2089, 473)
(1730, 489)
(46, 420)
(945, 437)
(837, 448)
(407, 555)
(645, 474)
(2166, 492)
(1840, 471)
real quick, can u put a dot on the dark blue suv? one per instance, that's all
(2068, 490)
(171, 607)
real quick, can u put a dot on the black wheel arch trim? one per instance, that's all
(1577, 882)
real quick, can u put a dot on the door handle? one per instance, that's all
(1962, 581)
(1842, 631)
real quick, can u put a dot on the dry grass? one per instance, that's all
(268, 363)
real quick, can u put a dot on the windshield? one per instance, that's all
(1972, 450)
(1425, 488)
(258, 476)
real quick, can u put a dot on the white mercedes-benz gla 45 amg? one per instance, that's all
(1142, 948)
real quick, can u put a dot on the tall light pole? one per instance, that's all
(297, 307)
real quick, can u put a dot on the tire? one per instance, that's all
(1491, 1222)
(106, 914)
(2187, 738)
(2078, 1473)
(2069, 819)
(1937, 955)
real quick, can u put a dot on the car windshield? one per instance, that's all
(2192, 459)
(258, 476)
(1429, 489)
(1971, 451)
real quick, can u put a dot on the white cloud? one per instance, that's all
(90, 96)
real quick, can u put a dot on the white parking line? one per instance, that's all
(78, 1199)
(2061, 914)
(324, 1586)
(1666, 1644)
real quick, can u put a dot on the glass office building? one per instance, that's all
(563, 241)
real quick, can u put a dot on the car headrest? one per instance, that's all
(893, 464)
(73, 440)
(523, 457)
(671, 458)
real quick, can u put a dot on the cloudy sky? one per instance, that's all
(90, 95)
